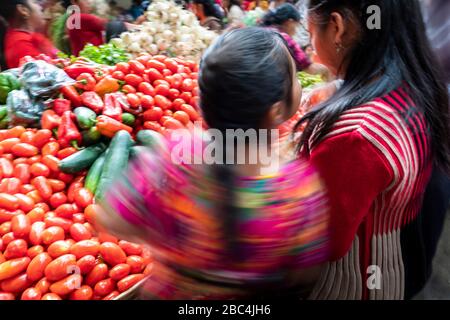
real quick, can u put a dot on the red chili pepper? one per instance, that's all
(61, 105)
(93, 101)
(77, 69)
(112, 107)
(68, 134)
(71, 93)
(50, 120)
(86, 82)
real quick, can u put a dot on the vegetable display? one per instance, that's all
(108, 54)
(307, 80)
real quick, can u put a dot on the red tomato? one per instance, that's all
(173, 94)
(16, 249)
(147, 102)
(78, 218)
(172, 123)
(129, 281)
(168, 112)
(161, 82)
(133, 100)
(136, 263)
(37, 214)
(39, 169)
(136, 67)
(154, 114)
(176, 81)
(133, 80)
(6, 296)
(90, 212)
(65, 177)
(8, 202)
(143, 58)
(20, 225)
(42, 186)
(128, 89)
(162, 89)
(57, 185)
(58, 199)
(119, 75)
(177, 103)
(162, 102)
(154, 74)
(112, 253)
(181, 116)
(5, 227)
(187, 85)
(42, 137)
(146, 88)
(105, 287)
(26, 204)
(22, 172)
(86, 264)
(59, 248)
(34, 159)
(83, 197)
(58, 222)
(51, 162)
(25, 188)
(43, 285)
(156, 65)
(13, 267)
(60, 267)
(24, 150)
(112, 295)
(52, 234)
(13, 185)
(171, 65)
(27, 137)
(167, 73)
(104, 237)
(35, 195)
(83, 293)
(186, 96)
(34, 251)
(123, 67)
(85, 248)
(36, 231)
(193, 115)
(152, 125)
(79, 232)
(51, 296)
(35, 270)
(6, 167)
(67, 285)
(66, 210)
(31, 294)
(119, 271)
(16, 284)
(98, 273)
(50, 148)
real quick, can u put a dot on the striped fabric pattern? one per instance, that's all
(398, 130)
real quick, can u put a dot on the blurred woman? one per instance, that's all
(286, 19)
(22, 35)
(235, 14)
(374, 141)
(223, 231)
(207, 14)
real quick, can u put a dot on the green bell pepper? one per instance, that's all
(8, 83)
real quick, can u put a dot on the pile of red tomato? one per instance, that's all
(49, 247)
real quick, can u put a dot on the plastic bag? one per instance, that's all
(42, 79)
(23, 110)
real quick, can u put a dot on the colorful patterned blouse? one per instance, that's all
(280, 224)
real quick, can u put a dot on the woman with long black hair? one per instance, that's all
(375, 142)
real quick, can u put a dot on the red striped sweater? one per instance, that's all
(376, 163)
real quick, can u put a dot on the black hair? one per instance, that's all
(234, 3)
(381, 61)
(241, 76)
(209, 8)
(280, 15)
(7, 11)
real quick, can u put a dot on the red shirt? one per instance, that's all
(21, 43)
(90, 31)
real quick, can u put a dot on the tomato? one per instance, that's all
(112, 295)
(90, 213)
(24, 150)
(58, 222)
(187, 85)
(130, 248)
(156, 65)
(86, 264)
(5, 227)
(79, 232)
(20, 225)
(136, 66)
(16, 284)
(105, 287)
(152, 125)
(15, 132)
(6, 168)
(186, 96)
(181, 116)
(78, 218)
(129, 281)
(112, 253)
(8, 202)
(34, 159)
(168, 112)
(35, 270)
(16, 249)
(31, 294)
(51, 162)
(136, 263)
(65, 177)
(176, 81)
(163, 119)
(8, 144)
(98, 273)
(13, 185)
(193, 115)
(39, 169)
(34, 251)
(171, 65)
(128, 89)
(146, 88)
(154, 74)
(57, 185)
(35, 195)
(194, 102)
(177, 103)
(42, 137)
(59, 248)
(36, 214)
(85, 248)
(162, 90)
(119, 75)
(66, 152)
(50, 148)
(6, 296)
(42, 186)
(167, 73)
(162, 102)
(36, 231)
(20, 160)
(133, 80)
(67, 285)
(51, 296)
(83, 197)
(49, 214)
(13, 267)
(83, 293)
(25, 188)
(60, 267)
(123, 67)
(173, 94)
(153, 114)
(148, 269)
(133, 100)
(161, 82)
(58, 199)
(172, 123)
(52, 234)
(6, 216)
(26, 204)
(22, 172)
(147, 102)
(146, 255)
(105, 237)
(66, 210)
(43, 285)
(119, 271)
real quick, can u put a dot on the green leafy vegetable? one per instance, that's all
(308, 80)
(108, 54)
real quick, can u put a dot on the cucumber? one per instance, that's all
(116, 161)
(85, 117)
(94, 174)
(149, 138)
(82, 159)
